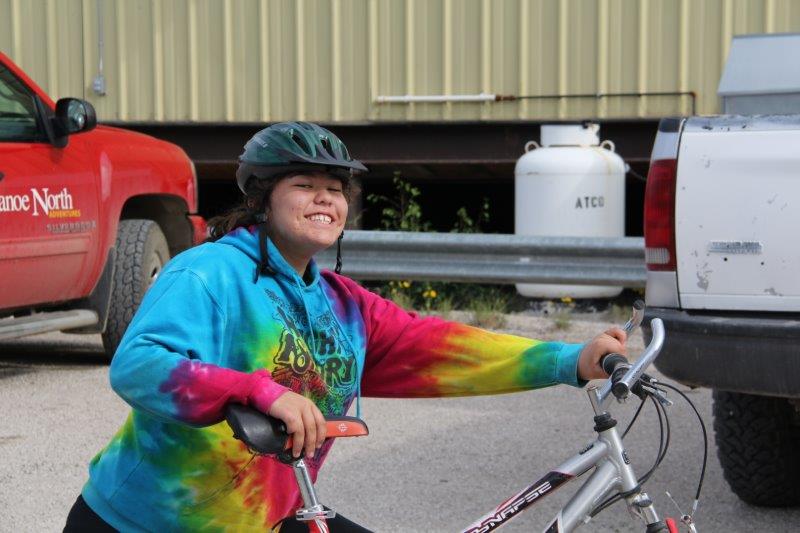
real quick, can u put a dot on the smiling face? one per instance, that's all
(307, 213)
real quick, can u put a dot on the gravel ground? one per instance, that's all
(428, 465)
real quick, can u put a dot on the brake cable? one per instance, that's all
(663, 444)
(668, 434)
(705, 444)
(635, 416)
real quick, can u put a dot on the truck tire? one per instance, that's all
(141, 253)
(758, 445)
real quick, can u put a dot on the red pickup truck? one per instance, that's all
(88, 214)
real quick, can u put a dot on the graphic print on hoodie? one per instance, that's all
(328, 377)
(206, 334)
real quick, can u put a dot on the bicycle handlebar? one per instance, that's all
(636, 317)
(621, 387)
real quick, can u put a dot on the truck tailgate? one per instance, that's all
(737, 210)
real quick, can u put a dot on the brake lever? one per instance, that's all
(656, 393)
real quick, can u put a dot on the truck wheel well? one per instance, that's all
(169, 212)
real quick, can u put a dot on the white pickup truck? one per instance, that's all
(722, 246)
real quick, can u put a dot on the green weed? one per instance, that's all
(489, 310)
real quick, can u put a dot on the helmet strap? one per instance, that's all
(338, 268)
(263, 267)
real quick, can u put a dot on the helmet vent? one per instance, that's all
(299, 141)
(327, 145)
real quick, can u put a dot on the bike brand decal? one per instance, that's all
(41, 201)
(518, 503)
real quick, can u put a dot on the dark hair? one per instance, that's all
(255, 203)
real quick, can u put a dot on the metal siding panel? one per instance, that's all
(264, 65)
(244, 83)
(427, 47)
(136, 58)
(408, 57)
(212, 61)
(108, 107)
(391, 77)
(708, 52)
(129, 58)
(315, 30)
(486, 52)
(748, 16)
(6, 27)
(463, 55)
(787, 16)
(326, 60)
(660, 70)
(282, 79)
(504, 58)
(581, 39)
(176, 61)
(544, 58)
(352, 84)
(64, 61)
(28, 49)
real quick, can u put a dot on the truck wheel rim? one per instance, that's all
(153, 271)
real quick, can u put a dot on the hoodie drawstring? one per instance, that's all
(310, 325)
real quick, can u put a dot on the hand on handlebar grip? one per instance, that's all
(611, 341)
(611, 361)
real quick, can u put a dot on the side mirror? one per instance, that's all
(74, 116)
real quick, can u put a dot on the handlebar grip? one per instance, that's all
(615, 366)
(611, 361)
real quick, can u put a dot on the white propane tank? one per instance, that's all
(573, 185)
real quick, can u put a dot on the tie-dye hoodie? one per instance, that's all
(208, 333)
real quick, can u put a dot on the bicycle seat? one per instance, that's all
(267, 435)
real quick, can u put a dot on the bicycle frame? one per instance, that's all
(613, 472)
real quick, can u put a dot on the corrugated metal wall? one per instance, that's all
(327, 60)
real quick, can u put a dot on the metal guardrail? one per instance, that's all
(490, 258)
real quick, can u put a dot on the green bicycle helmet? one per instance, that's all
(294, 146)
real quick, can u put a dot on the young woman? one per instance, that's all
(249, 318)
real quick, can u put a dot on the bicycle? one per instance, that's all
(613, 478)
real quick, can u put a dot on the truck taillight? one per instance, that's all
(659, 216)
